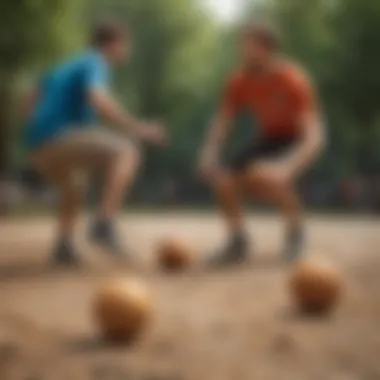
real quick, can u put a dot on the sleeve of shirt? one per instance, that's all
(232, 99)
(97, 75)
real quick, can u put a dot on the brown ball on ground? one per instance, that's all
(173, 255)
(122, 309)
(315, 287)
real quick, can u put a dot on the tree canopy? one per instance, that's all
(182, 55)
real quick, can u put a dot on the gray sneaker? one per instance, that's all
(64, 254)
(294, 245)
(236, 252)
(103, 234)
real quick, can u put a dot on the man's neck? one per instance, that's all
(101, 53)
(263, 68)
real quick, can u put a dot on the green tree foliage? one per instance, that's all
(357, 82)
(181, 58)
(31, 32)
(173, 73)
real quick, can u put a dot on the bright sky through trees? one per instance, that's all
(227, 10)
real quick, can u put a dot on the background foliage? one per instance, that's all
(182, 56)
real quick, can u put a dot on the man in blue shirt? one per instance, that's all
(65, 143)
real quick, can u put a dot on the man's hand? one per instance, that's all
(154, 133)
(208, 164)
(109, 108)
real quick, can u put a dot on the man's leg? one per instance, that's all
(226, 189)
(286, 198)
(291, 208)
(71, 196)
(117, 159)
(69, 186)
(96, 151)
(229, 188)
(121, 170)
(243, 179)
(226, 186)
(120, 177)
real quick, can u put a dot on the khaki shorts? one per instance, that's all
(67, 160)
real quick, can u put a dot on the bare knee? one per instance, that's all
(128, 158)
(72, 189)
(286, 197)
(266, 189)
(224, 182)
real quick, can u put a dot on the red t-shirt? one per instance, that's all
(278, 99)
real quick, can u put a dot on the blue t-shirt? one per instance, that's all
(63, 98)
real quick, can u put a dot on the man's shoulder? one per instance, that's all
(83, 59)
(293, 73)
(69, 65)
(236, 79)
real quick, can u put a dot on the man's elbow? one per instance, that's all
(94, 99)
(316, 135)
(99, 99)
(321, 138)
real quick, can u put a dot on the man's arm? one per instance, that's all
(312, 142)
(218, 132)
(109, 108)
(221, 126)
(312, 124)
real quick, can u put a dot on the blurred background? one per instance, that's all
(183, 51)
(237, 324)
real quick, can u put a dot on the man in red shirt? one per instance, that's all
(283, 102)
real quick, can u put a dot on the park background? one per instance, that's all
(237, 324)
(183, 52)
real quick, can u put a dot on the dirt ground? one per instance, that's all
(232, 325)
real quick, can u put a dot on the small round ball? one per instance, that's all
(315, 286)
(122, 309)
(173, 255)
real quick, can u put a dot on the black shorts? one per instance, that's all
(261, 149)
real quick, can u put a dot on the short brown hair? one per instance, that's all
(106, 32)
(264, 33)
